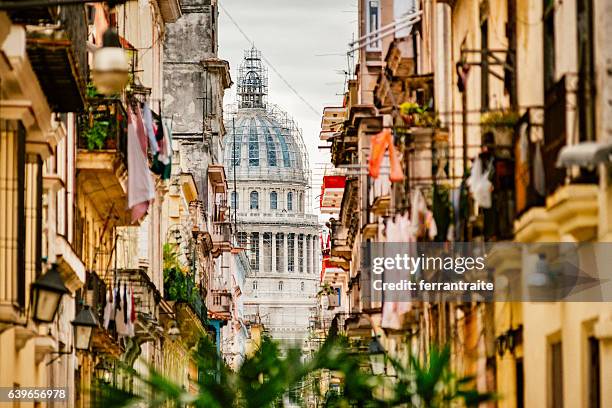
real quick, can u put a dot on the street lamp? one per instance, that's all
(110, 69)
(103, 371)
(376, 354)
(47, 292)
(84, 324)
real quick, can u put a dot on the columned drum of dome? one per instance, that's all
(269, 181)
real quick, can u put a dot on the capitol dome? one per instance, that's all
(270, 206)
(264, 144)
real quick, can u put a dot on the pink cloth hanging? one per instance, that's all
(141, 190)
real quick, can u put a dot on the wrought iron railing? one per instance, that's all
(104, 127)
(182, 288)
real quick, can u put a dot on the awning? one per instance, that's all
(585, 154)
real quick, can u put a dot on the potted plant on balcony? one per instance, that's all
(414, 114)
(97, 134)
(501, 124)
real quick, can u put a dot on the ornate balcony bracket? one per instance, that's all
(574, 208)
(536, 225)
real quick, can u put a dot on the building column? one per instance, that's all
(315, 257)
(273, 251)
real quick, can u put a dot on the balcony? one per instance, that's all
(102, 158)
(221, 237)
(216, 175)
(332, 191)
(574, 208)
(59, 57)
(146, 298)
(221, 303)
(104, 341)
(181, 288)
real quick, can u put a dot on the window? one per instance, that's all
(280, 285)
(234, 200)
(271, 149)
(267, 251)
(549, 43)
(301, 261)
(280, 251)
(556, 375)
(254, 200)
(236, 142)
(594, 367)
(253, 145)
(290, 201)
(309, 244)
(254, 285)
(273, 200)
(302, 286)
(283, 144)
(290, 251)
(586, 71)
(484, 71)
(373, 22)
(254, 258)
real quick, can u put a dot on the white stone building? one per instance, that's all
(269, 185)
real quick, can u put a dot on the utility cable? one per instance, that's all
(267, 61)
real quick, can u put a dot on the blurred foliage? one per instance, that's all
(268, 377)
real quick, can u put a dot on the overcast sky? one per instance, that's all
(293, 35)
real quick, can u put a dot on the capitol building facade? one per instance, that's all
(270, 203)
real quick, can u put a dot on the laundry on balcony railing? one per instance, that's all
(120, 309)
(380, 143)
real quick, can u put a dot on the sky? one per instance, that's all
(297, 37)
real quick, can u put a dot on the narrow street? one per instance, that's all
(351, 203)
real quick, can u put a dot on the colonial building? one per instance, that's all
(269, 181)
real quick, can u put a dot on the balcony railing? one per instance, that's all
(180, 287)
(104, 127)
(59, 58)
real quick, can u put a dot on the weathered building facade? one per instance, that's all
(520, 84)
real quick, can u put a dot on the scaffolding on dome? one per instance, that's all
(252, 81)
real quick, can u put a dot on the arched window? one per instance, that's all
(254, 285)
(280, 285)
(302, 286)
(234, 200)
(290, 201)
(273, 200)
(254, 200)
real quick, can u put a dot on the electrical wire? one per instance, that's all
(267, 61)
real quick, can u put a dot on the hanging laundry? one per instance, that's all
(141, 190)
(140, 129)
(442, 211)
(378, 146)
(109, 308)
(162, 161)
(147, 116)
(100, 23)
(124, 306)
(119, 324)
(539, 176)
(130, 310)
(479, 184)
